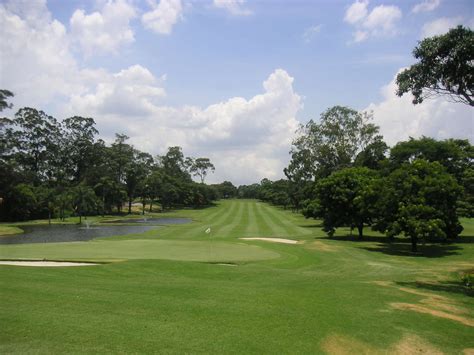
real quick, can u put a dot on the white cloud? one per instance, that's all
(380, 22)
(356, 12)
(426, 6)
(247, 139)
(163, 16)
(399, 119)
(311, 32)
(34, 54)
(235, 7)
(440, 26)
(103, 31)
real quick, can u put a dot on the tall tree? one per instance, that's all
(200, 167)
(35, 141)
(332, 144)
(445, 67)
(80, 135)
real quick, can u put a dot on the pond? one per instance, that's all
(68, 233)
(155, 221)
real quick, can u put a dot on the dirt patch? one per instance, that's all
(413, 344)
(344, 345)
(274, 240)
(432, 304)
(44, 263)
(434, 312)
(469, 351)
(319, 245)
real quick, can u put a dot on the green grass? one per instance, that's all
(168, 295)
(9, 230)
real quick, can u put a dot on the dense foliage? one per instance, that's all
(342, 172)
(445, 67)
(51, 169)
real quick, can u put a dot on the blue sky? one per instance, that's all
(228, 79)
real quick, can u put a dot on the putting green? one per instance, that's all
(102, 250)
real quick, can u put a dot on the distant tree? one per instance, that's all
(200, 167)
(80, 135)
(84, 200)
(4, 94)
(34, 140)
(345, 198)
(419, 200)
(445, 67)
(136, 173)
(226, 189)
(175, 164)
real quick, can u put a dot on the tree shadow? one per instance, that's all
(424, 251)
(316, 225)
(355, 238)
(445, 286)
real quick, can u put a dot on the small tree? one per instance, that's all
(419, 201)
(445, 67)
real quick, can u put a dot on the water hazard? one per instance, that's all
(69, 233)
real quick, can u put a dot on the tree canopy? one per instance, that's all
(445, 67)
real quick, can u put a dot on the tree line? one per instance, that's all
(52, 169)
(342, 172)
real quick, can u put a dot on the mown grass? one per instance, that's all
(317, 296)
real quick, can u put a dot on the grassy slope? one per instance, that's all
(306, 300)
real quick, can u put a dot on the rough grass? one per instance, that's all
(321, 295)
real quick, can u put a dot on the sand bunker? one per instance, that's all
(44, 263)
(274, 240)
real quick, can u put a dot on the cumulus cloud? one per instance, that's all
(399, 119)
(356, 12)
(442, 25)
(247, 139)
(426, 6)
(163, 16)
(36, 58)
(103, 31)
(235, 7)
(381, 21)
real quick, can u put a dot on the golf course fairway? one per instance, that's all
(178, 289)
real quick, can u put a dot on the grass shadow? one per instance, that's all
(445, 286)
(425, 251)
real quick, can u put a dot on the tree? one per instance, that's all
(200, 167)
(345, 198)
(4, 94)
(419, 200)
(332, 144)
(445, 67)
(80, 135)
(34, 143)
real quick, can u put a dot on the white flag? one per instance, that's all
(208, 230)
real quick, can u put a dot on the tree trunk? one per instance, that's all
(413, 244)
(151, 205)
(49, 217)
(143, 207)
(360, 228)
(80, 218)
(129, 205)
